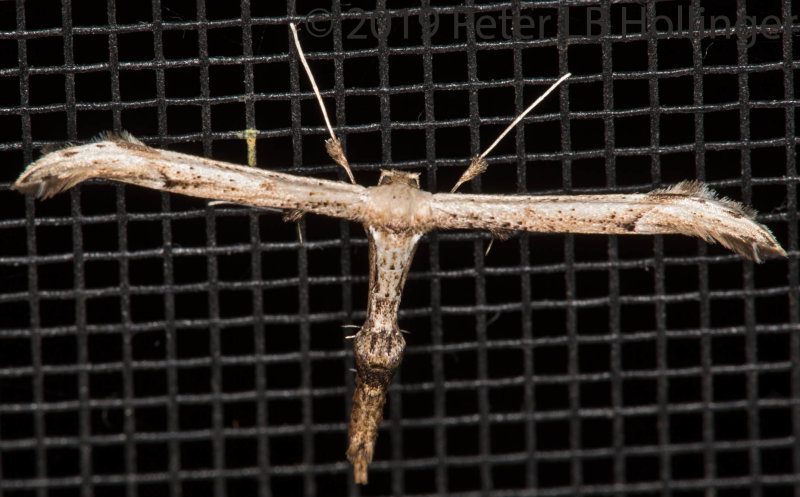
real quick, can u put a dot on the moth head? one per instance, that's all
(389, 177)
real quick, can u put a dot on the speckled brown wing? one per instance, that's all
(688, 208)
(123, 158)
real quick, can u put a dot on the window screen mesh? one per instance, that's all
(155, 345)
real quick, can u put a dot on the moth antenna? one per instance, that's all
(350, 326)
(479, 164)
(333, 145)
(299, 233)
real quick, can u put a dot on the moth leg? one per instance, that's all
(479, 164)
(333, 146)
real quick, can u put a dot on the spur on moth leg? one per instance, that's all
(395, 215)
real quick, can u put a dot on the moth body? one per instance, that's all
(398, 204)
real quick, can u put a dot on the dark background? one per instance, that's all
(154, 345)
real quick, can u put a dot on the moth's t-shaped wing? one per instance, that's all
(688, 208)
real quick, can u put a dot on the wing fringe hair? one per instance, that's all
(757, 244)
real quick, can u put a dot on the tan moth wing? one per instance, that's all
(688, 208)
(125, 159)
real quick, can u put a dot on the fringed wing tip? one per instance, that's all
(757, 244)
(37, 181)
(43, 189)
(45, 185)
(756, 250)
(34, 182)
